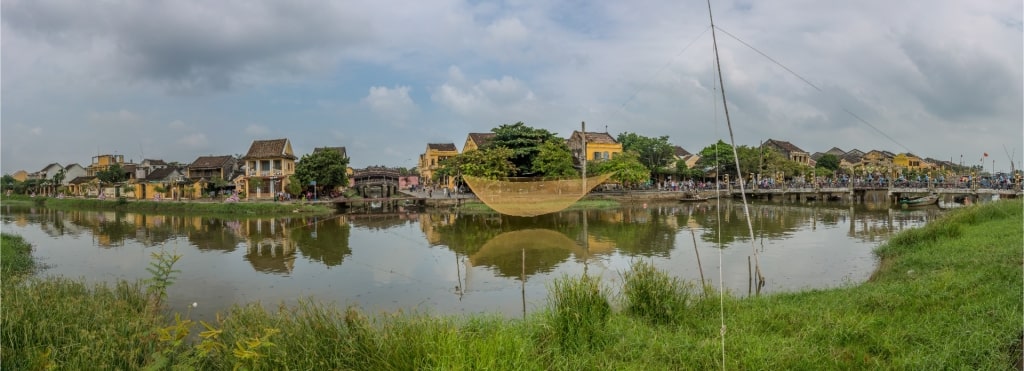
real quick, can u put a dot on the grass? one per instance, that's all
(946, 296)
(216, 208)
(15, 257)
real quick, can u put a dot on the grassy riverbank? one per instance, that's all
(169, 206)
(946, 296)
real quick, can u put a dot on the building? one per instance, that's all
(908, 161)
(211, 167)
(103, 162)
(267, 167)
(599, 146)
(431, 159)
(341, 150)
(681, 154)
(73, 171)
(475, 141)
(789, 151)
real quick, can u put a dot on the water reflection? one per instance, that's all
(396, 259)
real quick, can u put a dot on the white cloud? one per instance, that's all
(177, 125)
(196, 140)
(257, 130)
(392, 104)
(120, 118)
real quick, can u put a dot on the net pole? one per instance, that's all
(583, 127)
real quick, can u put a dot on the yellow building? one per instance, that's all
(20, 175)
(431, 159)
(475, 141)
(102, 162)
(267, 167)
(599, 146)
(908, 161)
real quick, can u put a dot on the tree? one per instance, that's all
(113, 174)
(654, 153)
(490, 163)
(828, 161)
(718, 156)
(627, 167)
(58, 178)
(554, 160)
(294, 186)
(525, 143)
(327, 168)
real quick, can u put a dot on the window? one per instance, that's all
(277, 164)
(597, 155)
(606, 155)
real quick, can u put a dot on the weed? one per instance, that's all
(163, 274)
(653, 295)
(579, 310)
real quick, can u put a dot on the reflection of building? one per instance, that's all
(271, 255)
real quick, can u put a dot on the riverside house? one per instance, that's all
(431, 159)
(267, 167)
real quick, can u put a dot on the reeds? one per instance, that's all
(578, 310)
(653, 295)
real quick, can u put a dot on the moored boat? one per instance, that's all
(931, 199)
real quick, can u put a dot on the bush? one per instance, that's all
(578, 311)
(654, 296)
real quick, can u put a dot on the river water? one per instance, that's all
(452, 263)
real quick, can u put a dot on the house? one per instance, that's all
(681, 154)
(908, 161)
(789, 151)
(20, 175)
(599, 146)
(430, 161)
(47, 172)
(73, 171)
(475, 141)
(102, 162)
(267, 167)
(167, 182)
(211, 167)
(143, 169)
(84, 186)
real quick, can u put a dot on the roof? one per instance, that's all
(836, 151)
(73, 165)
(152, 162)
(81, 179)
(597, 138)
(680, 152)
(268, 149)
(210, 162)
(784, 145)
(161, 173)
(481, 139)
(340, 150)
(442, 147)
(51, 165)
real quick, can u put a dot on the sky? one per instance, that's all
(179, 79)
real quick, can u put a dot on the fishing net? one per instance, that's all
(529, 196)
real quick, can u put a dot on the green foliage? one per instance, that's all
(626, 166)
(112, 174)
(578, 312)
(491, 163)
(15, 256)
(719, 158)
(294, 186)
(653, 295)
(828, 161)
(554, 160)
(327, 168)
(162, 272)
(653, 153)
(525, 143)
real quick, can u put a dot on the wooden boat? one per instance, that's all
(692, 197)
(931, 199)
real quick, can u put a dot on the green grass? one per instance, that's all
(214, 208)
(946, 296)
(15, 256)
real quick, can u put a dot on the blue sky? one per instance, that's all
(175, 80)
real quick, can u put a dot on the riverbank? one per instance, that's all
(947, 295)
(214, 207)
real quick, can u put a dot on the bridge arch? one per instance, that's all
(376, 181)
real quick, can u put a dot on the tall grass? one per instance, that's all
(15, 256)
(653, 295)
(578, 310)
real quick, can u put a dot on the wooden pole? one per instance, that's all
(699, 268)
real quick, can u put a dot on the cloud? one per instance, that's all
(392, 104)
(257, 130)
(177, 125)
(489, 95)
(119, 118)
(196, 140)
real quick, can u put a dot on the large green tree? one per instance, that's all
(653, 153)
(327, 168)
(113, 174)
(525, 143)
(718, 158)
(828, 161)
(627, 167)
(491, 163)
(554, 160)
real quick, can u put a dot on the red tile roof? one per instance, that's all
(442, 146)
(209, 162)
(268, 149)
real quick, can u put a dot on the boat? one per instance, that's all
(692, 197)
(931, 199)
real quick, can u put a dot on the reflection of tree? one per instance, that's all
(544, 248)
(644, 232)
(212, 234)
(377, 221)
(112, 229)
(768, 221)
(323, 240)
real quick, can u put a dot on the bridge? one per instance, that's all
(859, 191)
(375, 182)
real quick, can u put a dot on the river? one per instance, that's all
(452, 263)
